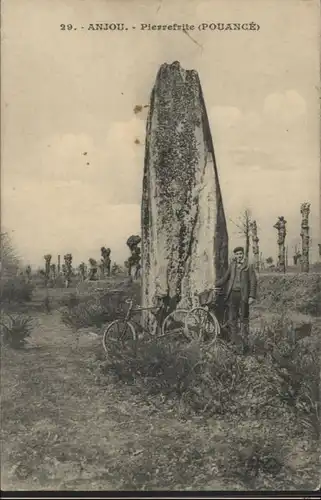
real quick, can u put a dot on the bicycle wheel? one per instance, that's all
(175, 322)
(118, 336)
(202, 325)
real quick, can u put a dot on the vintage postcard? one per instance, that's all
(160, 245)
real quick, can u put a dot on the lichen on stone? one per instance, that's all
(184, 235)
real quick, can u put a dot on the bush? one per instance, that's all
(312, 305)
(16, 329)
(203, 380)
(157, 367)
(300, 292)
(84, 316)
(92, 311)
(16, 290)
(295, 363)
(70, 301)
(279, 379)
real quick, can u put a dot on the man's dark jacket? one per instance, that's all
(247, 278)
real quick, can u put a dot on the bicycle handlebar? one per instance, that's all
(216, 289)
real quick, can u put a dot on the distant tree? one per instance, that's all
(47, 258)
(115, 269)
(280, 225)
(255, 244)
(133, 262)
(105, 261)
(244, 226)
(305, 212)
(92, 269)
(67, 269)
(296, 256)
(8, 256)
(28, 272)
(53, 271)
(82, 268)
(269, 260)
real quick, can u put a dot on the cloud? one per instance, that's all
(112, 165)
(287, 107)
(255, 157)
(260, 156)
(72, 216)
(225, 116)
(274, 137)
(77, 199)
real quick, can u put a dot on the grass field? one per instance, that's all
(71, 421)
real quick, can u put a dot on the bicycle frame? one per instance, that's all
(132, 309)
(224, 322)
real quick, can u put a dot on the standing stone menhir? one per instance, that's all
(184, 234)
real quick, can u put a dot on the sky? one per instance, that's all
(69, 92)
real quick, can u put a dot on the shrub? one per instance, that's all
(157, 367)
(97, 308)
(15, 289)
(202, 379)
(295, 363)
(16, 329)
(312, 305)
(81, 316)
(300, 292)
(70, 301)
(301, 377)
(91, 311)
(279, 379)
(216, 382)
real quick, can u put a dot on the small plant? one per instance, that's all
(72, 300)
(16, 330)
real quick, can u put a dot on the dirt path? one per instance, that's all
(61, 430)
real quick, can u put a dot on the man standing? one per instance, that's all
(241, 282)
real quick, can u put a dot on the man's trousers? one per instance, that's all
(238, 309)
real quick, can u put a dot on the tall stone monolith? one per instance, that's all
(184, 234)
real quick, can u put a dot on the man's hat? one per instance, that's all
(238, 249)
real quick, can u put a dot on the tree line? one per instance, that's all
(95, 269)
(102, 268)
(248, 228)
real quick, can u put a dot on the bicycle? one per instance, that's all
(207, 327)
(124, 331)
(197, 323)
